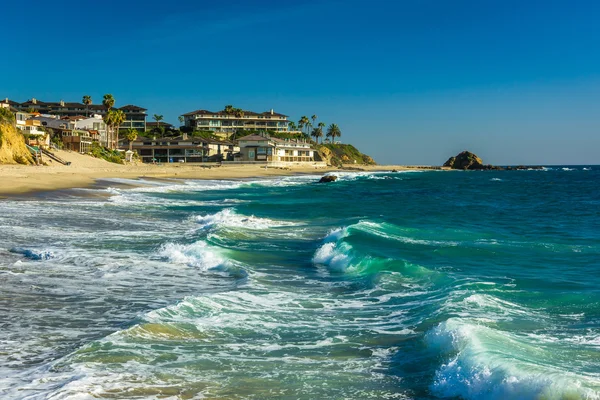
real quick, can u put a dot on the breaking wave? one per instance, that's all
(487, 363)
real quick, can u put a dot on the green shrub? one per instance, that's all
(6, 116)
(106, 154)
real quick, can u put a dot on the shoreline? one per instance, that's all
(86, 171)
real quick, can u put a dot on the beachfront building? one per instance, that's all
(225, 124)
(95, 125)
(135, 117)
(76, 140)
(265, 149)
(182, 149)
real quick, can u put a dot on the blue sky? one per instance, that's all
(408, 82)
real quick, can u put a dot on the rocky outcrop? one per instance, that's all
(325, 154)
(465, 160)
(339, 154)
(328, 178)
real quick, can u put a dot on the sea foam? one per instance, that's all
(229, 218)
(198, 254)
(486, 363)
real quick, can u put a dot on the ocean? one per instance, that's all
(397, 285)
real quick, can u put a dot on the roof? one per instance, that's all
(9, 101)
(254, 138)
(74, 117)
(132, 107)
(246, 113)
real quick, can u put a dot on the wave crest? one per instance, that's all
(486, 363)
(198, 255)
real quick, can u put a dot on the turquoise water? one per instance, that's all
(417, 285)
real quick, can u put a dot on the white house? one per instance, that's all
(256, 148)
(93, 124)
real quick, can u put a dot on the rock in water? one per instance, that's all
(465, 160)
(328, 178)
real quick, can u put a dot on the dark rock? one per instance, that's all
(466, 160)
(328, 178)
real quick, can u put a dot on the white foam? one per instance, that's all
(199, 255)
(229, 218)
(333, 255)
(485, 363)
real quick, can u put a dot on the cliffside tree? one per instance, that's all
(333, 131)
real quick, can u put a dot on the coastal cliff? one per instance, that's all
(12, 146)
(338, 154)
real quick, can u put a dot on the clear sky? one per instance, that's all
(409, 82)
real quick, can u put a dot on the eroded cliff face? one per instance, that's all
(337, 154)
(12, 146)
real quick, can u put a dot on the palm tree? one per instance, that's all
(131, 135)
(292, 126)
(158, 118)
(333, 131)
(109, 121)
(181, 120)
(108, 101)
(229, 109)
(314, 119)
(239, 113)
(317, 133)
(87, 100)
(119, 116)
(305, 123)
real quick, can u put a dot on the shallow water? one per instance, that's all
(417, 285)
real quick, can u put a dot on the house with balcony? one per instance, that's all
(95, 125)
(182, 149)
(76, 140)
(265, 149)
(224, 124)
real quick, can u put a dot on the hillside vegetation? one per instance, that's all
(338, 154)
(12, 146)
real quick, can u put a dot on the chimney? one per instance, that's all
(62, 103)
(184, 136)
(272, 111)
(6, 100)
(33, 100)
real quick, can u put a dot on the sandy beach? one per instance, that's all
(85, 170)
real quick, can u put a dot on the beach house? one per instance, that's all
(95, 125)
(225, 124)
(76, 140)
(182, 148)
(266, 149)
